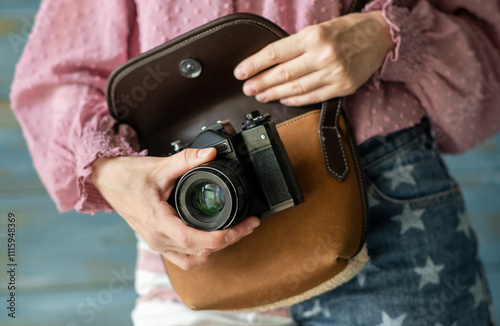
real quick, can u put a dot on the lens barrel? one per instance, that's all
(212, 196)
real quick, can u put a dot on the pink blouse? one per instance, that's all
(446, 65)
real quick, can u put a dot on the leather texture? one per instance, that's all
(331, 140)
(294, 254)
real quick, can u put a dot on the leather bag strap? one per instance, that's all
(329, 136)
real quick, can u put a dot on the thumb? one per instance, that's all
(189, 158)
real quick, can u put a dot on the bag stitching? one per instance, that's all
(161, 52)
(325, 152)
(234, 22)
(293, 120)
(322, 143)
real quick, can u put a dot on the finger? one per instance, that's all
(295, 87)
(316, 96)
(189, 158)
(184, 261)
(274, 53)
(200, 242)
(165, 247)
(318, 86)
(282, 73)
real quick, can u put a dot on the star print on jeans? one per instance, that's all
(316, 310)
(400, 174)
(429, 273)
(410, 218)
(388, 321)
(477, 292)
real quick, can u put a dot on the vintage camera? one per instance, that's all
(251, 175)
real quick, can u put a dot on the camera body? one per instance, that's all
(251, 175)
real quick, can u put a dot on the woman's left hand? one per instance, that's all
(320, 62)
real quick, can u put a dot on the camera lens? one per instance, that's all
(209, 198)
(212, 196)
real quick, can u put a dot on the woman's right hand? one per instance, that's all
(138, 187)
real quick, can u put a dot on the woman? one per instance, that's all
(402, 64)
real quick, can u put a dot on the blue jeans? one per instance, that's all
(423, 267)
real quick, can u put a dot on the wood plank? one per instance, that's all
(63, 259)
(16, 21)
(494, 282)
(478, 173)
(92, 305)
(69, 249)
(485, 156)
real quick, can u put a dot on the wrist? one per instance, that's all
(107, 171)
(384, 36)
(121, 171)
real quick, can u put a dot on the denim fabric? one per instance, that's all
(423, 267)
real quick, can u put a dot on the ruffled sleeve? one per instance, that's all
(448, 55)
(58, 96)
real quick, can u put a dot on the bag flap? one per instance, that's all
(150, 94)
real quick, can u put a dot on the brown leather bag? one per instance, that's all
(294, 254)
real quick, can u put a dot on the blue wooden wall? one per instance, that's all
(66, 261)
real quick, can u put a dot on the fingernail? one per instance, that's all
(253, 224)
(240, 73)
(231, 235)
(261, 97)
(203, 153)
(249, 89)
(284, 101)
